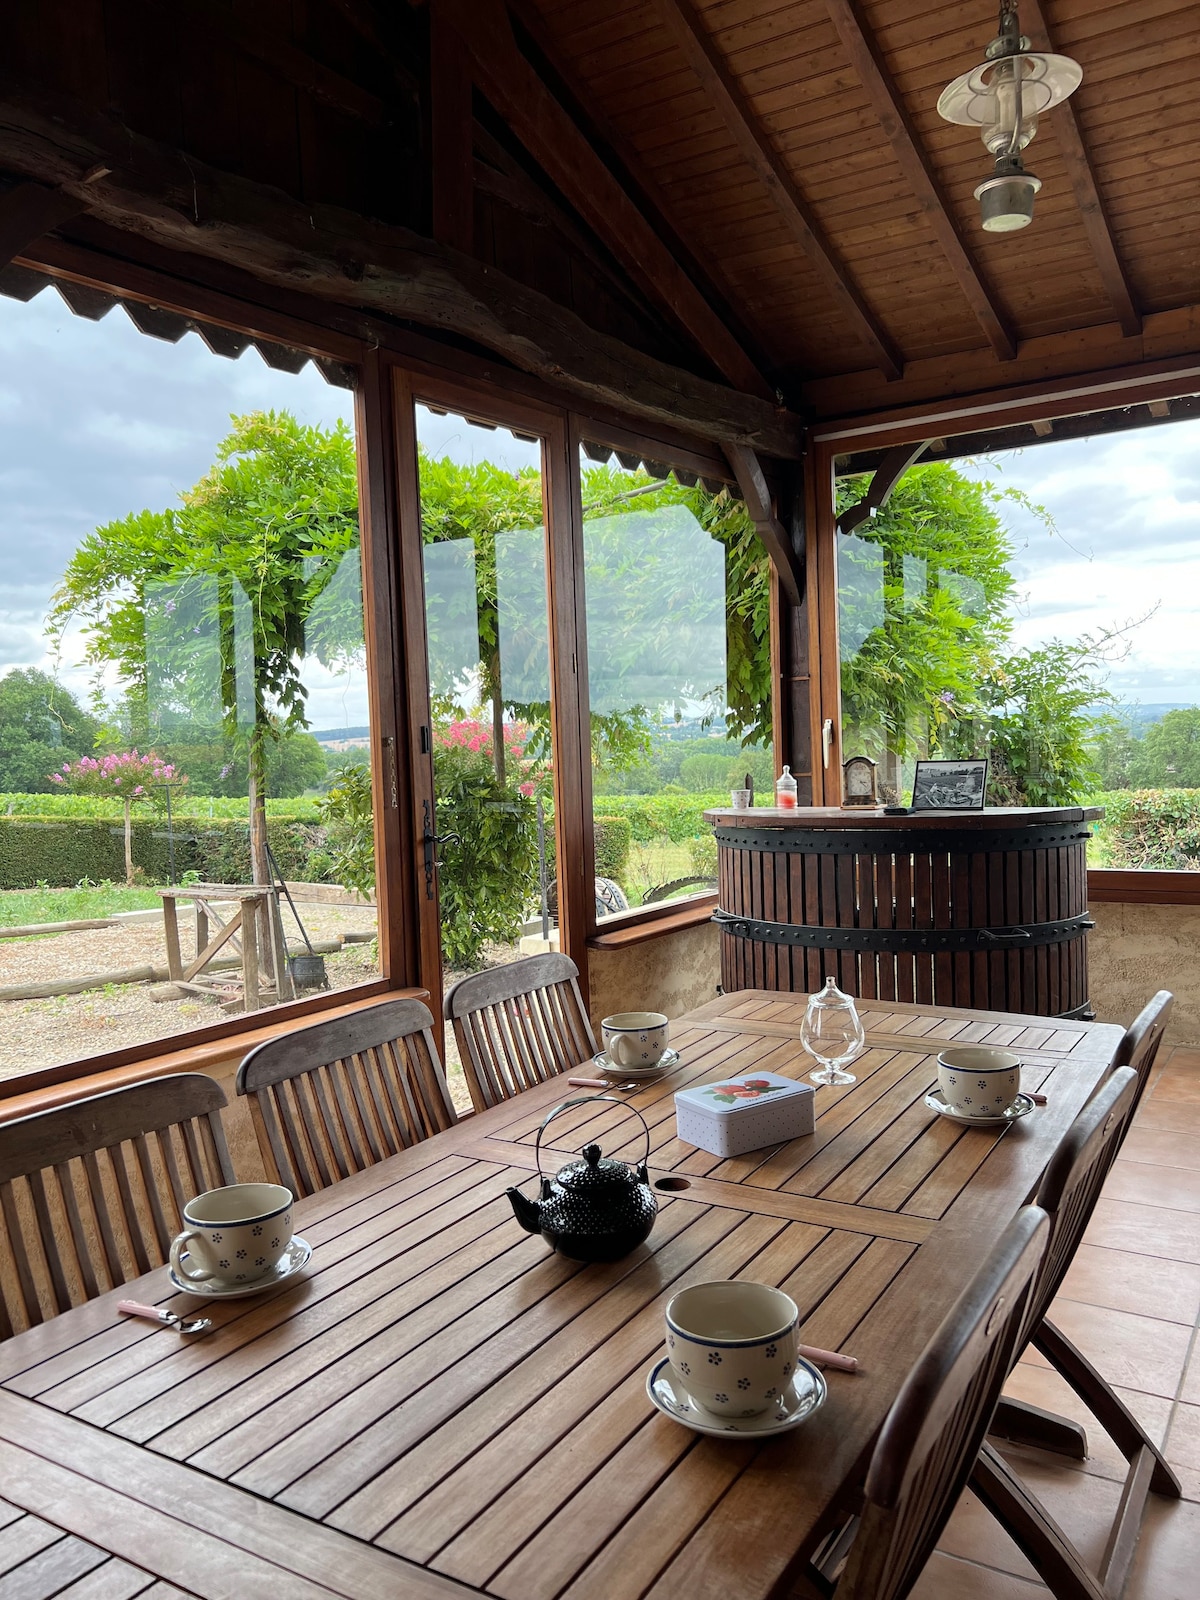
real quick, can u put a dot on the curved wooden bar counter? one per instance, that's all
(985, 909)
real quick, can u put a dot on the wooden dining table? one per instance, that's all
(439, 1406)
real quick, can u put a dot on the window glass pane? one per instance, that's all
(181, 633)
(1045, 614)
(676, 594)
(487, 614)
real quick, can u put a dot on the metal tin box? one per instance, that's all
(734, 1115)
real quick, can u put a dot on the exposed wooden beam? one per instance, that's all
(1084, 187)
(291, 63)
(155, 191)
(1043, 427)
(451, 123)
(722, 91)
(27, 212)
(868, 63)
(560, 149)
(884, 479)
(1160, 409)
(757, 496)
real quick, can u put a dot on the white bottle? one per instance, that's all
(785, 791)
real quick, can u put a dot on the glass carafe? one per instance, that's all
(832, 1033)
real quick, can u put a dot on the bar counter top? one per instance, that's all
(875, 817)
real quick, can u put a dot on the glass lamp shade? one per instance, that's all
(986, 97)
(1006, 201)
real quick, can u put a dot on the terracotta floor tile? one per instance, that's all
(1190, 1393)
(973, 1534)
(1177, 1188)
(1174, 1115)
(1179, 1084)
(1083, 1506)
(1127, 1282)
(1160, 1147)
(1183, 1440)
(1145, 1230)
(1041, 1386)
(1167, 1558)
(1132, 1352)
(946, 1578)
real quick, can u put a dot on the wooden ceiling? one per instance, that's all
(795, 143)
(683, 209)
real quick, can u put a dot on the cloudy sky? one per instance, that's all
(97, 420)
(1126, 547)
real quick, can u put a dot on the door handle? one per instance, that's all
(826, 740)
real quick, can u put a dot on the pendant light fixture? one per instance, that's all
(1003, 97)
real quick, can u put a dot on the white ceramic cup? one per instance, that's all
(978, 1080)
(739, 799)
(234, 1234)
(635, 1038)
(732, 1345)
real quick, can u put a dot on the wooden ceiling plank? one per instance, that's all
(27, 212)
(150, 189)
(719, 87)
(556, 143)
(451, 143)
(868, 63)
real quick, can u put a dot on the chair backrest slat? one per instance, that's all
(933, 1432)
(1139, 1046)
(1073, 1181)
(519, 1025)
(334, 1098)
(87, 1201)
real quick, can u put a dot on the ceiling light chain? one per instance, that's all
(1003, 97)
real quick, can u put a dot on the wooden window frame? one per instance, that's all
(1103, 391)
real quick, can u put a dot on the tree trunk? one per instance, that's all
(498, 728)
(128, 842)
(259, 866)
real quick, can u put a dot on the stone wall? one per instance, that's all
(1135, 951)
(669, 974)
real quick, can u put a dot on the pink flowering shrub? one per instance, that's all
(126, 776)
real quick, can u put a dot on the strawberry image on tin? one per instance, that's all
(727, 1094)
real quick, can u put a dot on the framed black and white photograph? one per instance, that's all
(949, 785)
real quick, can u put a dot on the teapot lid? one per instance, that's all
(594, 1173)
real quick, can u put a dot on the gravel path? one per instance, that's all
(43, 1033)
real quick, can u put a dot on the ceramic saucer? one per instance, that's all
(667, 1062)
(294, 1258)
(1021, 1107)
(805, 1393)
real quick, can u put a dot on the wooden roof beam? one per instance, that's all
(774, 536)
(868, 63)
(512, 86)
(1082, 179)
(451, 134)
(139, 186)
(28, 211)
(718, 83)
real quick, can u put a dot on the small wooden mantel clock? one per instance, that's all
(858, 782)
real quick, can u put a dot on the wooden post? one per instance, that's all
(201, 926)
(171, 936)
(250, 1001)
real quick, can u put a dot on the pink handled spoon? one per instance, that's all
(165, 1318)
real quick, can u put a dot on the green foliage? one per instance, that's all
(350, 828)
(614, 837)
(1039, 723)
(702, 856)
(934, 633)
(197, 808)
(678, 818)
(1112, 748)
(71, 905)
(1168, 756)
(1152, 828)
(489, 867)
(61, 851)
(41, 726)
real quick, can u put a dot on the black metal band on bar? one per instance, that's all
(898, 842)
(904, 941)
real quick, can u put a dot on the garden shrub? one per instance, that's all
(677, 817)
(614, 839)
(1152, 828)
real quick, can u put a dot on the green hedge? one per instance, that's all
(677, 817)
(614, 838)
(62, 851)
(1151, 828)
(195, 808)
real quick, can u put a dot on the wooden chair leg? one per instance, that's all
(1116, 1419)
(1021, 1423)
(1032, 1529)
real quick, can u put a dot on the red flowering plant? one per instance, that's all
(125, 776)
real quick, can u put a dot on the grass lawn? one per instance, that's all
(21, 907)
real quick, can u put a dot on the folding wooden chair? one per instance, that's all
(1068, 1195)
(336, 1097)
(931, 1436)
(1139, 1046)
(92, 1193)
(519, 1025)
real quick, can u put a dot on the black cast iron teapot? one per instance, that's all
(596, 1209)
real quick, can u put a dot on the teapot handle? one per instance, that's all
(582, 1100)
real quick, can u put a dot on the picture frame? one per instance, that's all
(950, 786)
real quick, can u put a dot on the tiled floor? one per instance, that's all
(1131, 1302)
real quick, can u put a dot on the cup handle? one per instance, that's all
(178, 1246)
(618, 1049)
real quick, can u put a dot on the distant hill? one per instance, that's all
(341, 738)
(1140, 717)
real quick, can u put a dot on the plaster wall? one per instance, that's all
(1135, 951)
(670, 974)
